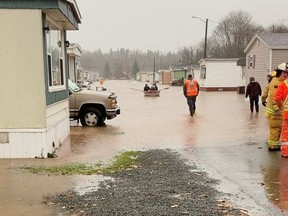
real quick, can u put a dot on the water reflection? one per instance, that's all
(86, 184)
(271, 176)
(283, 187)
(276, 180)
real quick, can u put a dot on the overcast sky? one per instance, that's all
(164, 25)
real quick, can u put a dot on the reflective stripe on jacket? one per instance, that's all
(191, 87)
(268, 96)
(281, 98)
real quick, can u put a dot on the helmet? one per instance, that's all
(282, 67)
(273, 73)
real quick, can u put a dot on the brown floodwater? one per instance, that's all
(222, 130)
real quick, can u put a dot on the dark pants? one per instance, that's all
(254, 101)
(191, 101)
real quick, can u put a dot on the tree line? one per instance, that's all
(228, 40)
(125, 62)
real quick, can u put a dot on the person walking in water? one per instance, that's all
(254, 92)
(191, 91)
(272, 112)
(281, 99)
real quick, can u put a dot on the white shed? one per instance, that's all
(147, 76)
(220, 74)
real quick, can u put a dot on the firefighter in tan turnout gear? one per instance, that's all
(273, 114)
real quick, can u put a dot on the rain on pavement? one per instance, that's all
(223, 138)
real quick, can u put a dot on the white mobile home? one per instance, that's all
(148, 76)
(34, 118)
(74, 51)
(220, 74)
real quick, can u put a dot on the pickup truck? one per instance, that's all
(91, 107)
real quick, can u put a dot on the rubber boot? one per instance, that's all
(274, 147)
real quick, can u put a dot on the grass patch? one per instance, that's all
(125, 160)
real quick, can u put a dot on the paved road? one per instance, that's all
(223, 139)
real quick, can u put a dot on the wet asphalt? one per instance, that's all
(223, 139)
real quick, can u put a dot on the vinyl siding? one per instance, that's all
(262, 63)
(23, 96)
(278, 57)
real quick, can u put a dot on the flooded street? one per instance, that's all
(223, 139)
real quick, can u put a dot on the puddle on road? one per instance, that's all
(276, 181)
(21, 193)
(85, 184)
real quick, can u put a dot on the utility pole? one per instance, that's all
(153, 69)
(206, 29)
(205, 46)
(161, 67)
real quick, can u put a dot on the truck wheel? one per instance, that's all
(91, 117)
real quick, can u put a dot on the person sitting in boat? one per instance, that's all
(154, 87)
(146, 87)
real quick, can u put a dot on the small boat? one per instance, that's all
(152, 93)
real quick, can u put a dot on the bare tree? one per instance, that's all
(228, 40)
(282, 27)
(187, 55)
(120, 61)
(232, 34)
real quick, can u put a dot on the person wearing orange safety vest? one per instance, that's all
(272, 114)
(191, 91)
(281, 99)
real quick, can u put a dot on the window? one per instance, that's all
(251, 61)
(55, 58)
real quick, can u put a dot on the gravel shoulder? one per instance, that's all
(161, 184)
